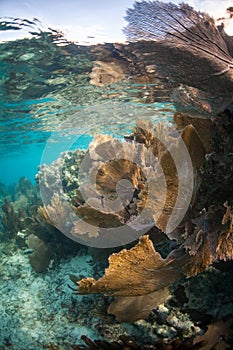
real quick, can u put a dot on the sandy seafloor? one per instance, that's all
(35, 307)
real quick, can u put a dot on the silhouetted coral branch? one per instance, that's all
(183, 44)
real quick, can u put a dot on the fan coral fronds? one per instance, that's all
(131, 309)
(225, 244)
(146, 271)
(212, 240)
(151, 174)
(216, 334)
(55, 213)
(203, 126)
(141, 183)
(114, 180)
(161, 141)
(98, 218)
(177, 36)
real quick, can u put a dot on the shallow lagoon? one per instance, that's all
(49, 106)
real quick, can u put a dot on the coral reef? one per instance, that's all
(183, 258)
(203, 238)
(40, 311)
(40, 258)
(19, 208)
(36, 309)
(10, 220)
(217, 336)
(145, 160)
(25, 222)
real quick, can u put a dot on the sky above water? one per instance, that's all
(81, 20)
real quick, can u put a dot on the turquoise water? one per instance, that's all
(73, 202)
(43, 84)
(48, 106)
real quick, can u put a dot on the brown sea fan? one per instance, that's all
(184, 46)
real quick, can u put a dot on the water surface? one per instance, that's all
(45, 80)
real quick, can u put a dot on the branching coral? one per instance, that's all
(10, 219)
(224, 248)
(18, 210)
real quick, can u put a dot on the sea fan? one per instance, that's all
(185, 45)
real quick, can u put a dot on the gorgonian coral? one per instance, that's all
(130, 185)
(176, 36)
(203, 239)
(135, 184)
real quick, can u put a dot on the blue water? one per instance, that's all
(26, 160)
(42, 86)
(22, 151)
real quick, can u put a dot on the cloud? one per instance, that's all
(216, 8)
(84, 34)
